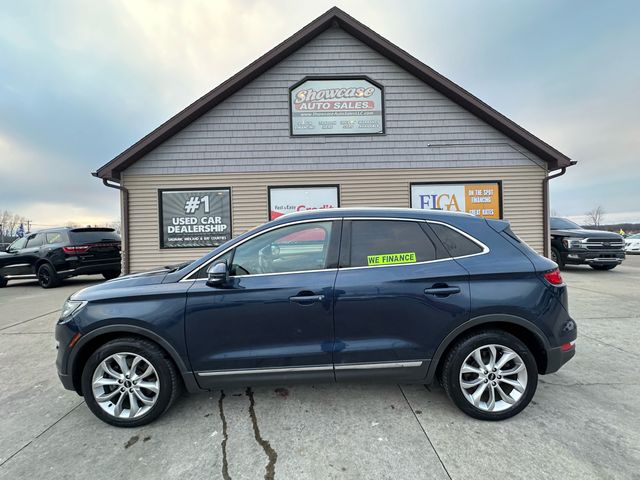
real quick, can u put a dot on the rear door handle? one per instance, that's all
(306, 299)
(443, 291)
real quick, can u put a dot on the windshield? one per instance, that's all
(563, 224)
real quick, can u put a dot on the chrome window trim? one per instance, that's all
(187, 278)
(313, 368)
(249, 371)
(485, 249)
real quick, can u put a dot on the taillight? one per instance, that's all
(553, 277)
(74, 250)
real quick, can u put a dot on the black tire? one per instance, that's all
(111, 274)
(603, 267)
(3, 282)
(463, 348)
(167, 375)
(555, 256)
(48, 277)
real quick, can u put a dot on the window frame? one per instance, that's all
(345, 248)
(333, 248)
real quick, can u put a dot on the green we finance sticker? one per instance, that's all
(391, 258)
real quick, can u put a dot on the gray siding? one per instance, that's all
(249, 132)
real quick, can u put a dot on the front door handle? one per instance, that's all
(442, 291)
(306, 299)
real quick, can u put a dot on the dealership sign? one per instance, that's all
(283, 200)
(194, 218)
(336, 106)
(483, 199)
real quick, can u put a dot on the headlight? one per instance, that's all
(571, 243)
(69, 308)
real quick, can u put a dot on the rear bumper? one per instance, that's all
(556, 358)
(601, 257)
(81, 269)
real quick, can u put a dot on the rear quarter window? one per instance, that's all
(457, 244)
(93, 236)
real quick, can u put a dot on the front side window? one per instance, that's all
(389, 242)
(294, 248)
(35, 240)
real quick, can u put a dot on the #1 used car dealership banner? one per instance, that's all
(483, 199)
(283, 200)
(194, 218)
(336, 107)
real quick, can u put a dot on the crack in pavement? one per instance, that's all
(225, 438)
(425, 432)
(29, 319)
(270, 469)
(40, 434)
(584, 384)
(607, 344)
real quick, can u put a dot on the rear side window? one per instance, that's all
(457, 244)
(389, 242)
(56, 237)
(82, 237)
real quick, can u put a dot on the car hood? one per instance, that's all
(152, 277)
(584, 233)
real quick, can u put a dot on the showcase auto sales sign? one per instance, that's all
(336, 106)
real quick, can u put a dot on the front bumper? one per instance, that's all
(600, 257)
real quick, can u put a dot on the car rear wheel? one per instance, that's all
(129, 382)
(490, 375)
(603, 267)
(3, 282)
(111, 274)
(48, 277)
(555, 256)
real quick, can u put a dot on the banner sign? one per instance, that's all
(483, 199)
(283, 200)
(336, 107)
(194, 218)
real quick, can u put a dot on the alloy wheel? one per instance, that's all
(493, 378)
(125, 385)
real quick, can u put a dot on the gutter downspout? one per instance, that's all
(545, 207)
(125, 222)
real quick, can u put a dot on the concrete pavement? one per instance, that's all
(584, 421)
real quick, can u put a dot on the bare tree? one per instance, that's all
(595, 217)
(11, 221)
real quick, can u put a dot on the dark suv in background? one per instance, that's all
(573, 245)
(55, 254)
(402, 295)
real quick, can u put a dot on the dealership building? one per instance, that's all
(335, 115)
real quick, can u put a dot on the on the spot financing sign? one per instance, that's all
(283, 200)
(482, 199)
(194, 218)
(336, 107)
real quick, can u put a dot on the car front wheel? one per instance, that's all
(129, 382)
(603, 267)
(490, 375)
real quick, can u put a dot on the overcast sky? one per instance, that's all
(81, 81)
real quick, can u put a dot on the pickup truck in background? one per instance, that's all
(572, 244)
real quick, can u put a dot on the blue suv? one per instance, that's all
(399, 295)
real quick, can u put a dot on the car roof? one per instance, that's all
(74, 229)
(385, 212)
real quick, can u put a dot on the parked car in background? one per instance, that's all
(572, 244)
(57, 253)
(632, 243)
(402, 295)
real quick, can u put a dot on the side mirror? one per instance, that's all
(218, 274)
